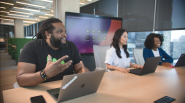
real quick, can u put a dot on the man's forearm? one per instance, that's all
(82, 70)
(85, 69)
(29, 79)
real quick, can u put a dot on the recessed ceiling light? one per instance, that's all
(21, 12)
(26, 9)
(82, 3)
(13, 24)
(30, 4)
(47, 1)
(19, 18)
(43, 17)
(18, 15)
(6, 3)
(29, 21)
(7, 19)
(8, 23)
(2, 18)
(49, 14)
(4, 12)
(2, 7)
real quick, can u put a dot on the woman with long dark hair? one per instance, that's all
(117, 57)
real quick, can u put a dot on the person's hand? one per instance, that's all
(123, 70)
(137, 66)
(54, 68)
(166, 64)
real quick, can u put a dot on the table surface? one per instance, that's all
(116, 87)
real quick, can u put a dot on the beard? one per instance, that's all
(57, 42)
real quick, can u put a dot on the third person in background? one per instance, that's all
(152, 44)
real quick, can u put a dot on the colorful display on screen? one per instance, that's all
(87, 30)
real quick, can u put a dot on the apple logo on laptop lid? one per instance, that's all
(83, 85)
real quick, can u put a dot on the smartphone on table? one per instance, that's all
(38, 99)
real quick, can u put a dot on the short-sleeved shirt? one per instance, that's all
(112, 58)
(36, 52)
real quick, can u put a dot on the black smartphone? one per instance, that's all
(38, 99)
(165, 99)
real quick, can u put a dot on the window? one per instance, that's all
(173, 42)
(136, 40)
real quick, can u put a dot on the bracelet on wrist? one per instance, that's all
(43, 75)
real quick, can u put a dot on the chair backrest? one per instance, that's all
(16, 85)
(99, 55)
(138, 56)
(20, 51)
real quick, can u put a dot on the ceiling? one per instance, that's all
(30, 11)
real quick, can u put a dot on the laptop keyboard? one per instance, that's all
(56, 95)
(135, 71)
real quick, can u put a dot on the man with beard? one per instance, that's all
(49, 57)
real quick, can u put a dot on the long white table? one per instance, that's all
(116, 87)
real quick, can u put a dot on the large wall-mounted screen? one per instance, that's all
(86, 30)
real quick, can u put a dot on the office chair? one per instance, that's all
(138, 56)
(16, 85)
(99, 56)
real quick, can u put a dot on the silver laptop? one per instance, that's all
(77, 85)
(149, 66)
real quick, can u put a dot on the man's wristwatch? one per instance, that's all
(43, 75)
